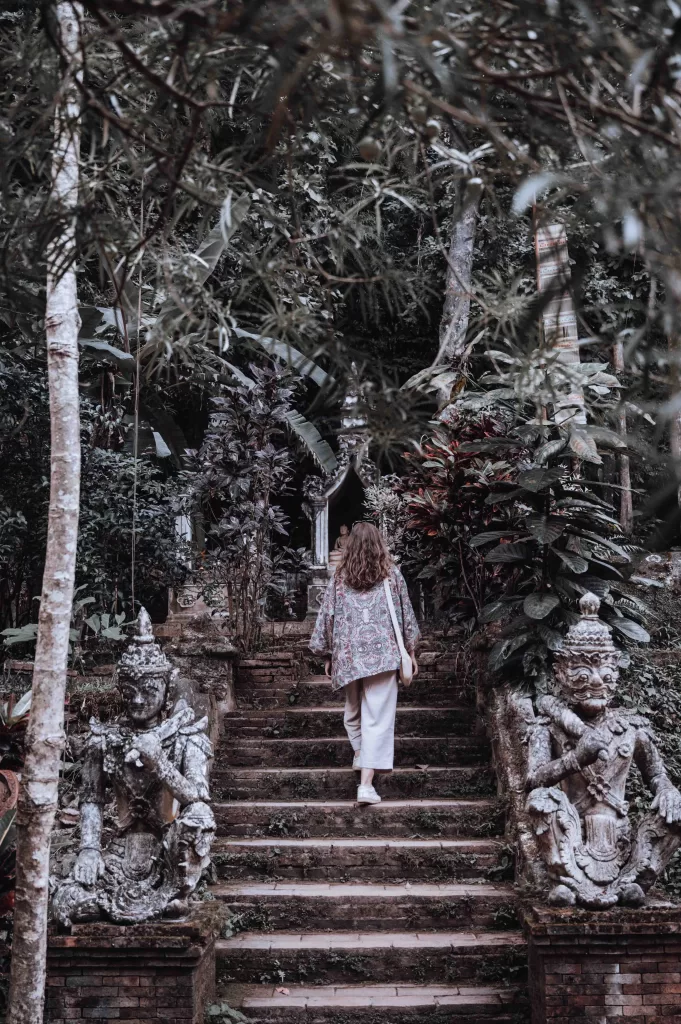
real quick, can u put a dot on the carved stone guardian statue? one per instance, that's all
(155, 760)
(580, 756)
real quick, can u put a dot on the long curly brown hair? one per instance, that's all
(366, 559)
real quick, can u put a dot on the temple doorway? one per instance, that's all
(346, 505)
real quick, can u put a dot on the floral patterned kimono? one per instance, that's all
(354, 629)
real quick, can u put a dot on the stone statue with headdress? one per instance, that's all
(155, 760)
(581, 752)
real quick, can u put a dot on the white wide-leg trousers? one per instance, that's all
(370, 706)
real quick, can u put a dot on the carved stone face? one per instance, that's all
(588, 681)
(143, 699)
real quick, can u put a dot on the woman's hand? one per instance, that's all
(327, 667)
(414, 666)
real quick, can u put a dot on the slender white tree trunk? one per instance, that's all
(45, 734)
(457, 304)
(626, 500)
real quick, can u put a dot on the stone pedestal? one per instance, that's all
(316, 588)
(605, 966)
(164, 970)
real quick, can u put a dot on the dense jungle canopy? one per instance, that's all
(290, 187)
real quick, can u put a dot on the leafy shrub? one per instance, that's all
(234, 479)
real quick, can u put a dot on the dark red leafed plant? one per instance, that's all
(446, 489)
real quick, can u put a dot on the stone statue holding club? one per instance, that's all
(155, 759)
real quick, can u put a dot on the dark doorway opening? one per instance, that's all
(347, 506)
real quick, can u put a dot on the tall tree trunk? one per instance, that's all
(675, 424)
(559, 317)
(45, 734)
(626, 501)
(457, 304)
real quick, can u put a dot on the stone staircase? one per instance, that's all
(382, 915)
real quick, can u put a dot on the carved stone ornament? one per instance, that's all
(155, 761)
(581, 753)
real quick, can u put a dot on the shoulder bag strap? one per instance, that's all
(393, 616)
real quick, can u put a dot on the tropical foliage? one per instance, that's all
(243, 468)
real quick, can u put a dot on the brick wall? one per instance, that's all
(278, 668)
(139, 974)
(607, 966)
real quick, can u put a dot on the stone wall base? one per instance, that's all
(135, 973)
(621, 966)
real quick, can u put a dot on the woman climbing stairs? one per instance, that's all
(382, 914)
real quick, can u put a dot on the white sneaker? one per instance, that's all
(355, 760)
(367, 795)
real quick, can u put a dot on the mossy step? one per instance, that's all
(377, 1004)
(361, 859)
(317, 692)
(325, 721)
(375, 907)
(465, 819)
(336, 958)
(341, 783)
(336, 752)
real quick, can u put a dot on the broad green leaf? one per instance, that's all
(594, 584)
(112, 633)
(538, 606)
(546, 529)
(605, 542)
(123, 360)
(631, 629)
(211, 249)
(585, 447)
(7, 830)
(489, 444)
(485, 538)
(285, 352)
(551, 637)
(517, 552)
(543, 454)
(503, 650)
(501, 496)
(316, 445)
(606, 436)
(94, 622)
(574, 562)
(537, 479)
(647, 581)
(497, 609)
(22, 706)
(241, 377)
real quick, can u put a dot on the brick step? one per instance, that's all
(341, 783)
(337, 753)
(324, 721)
(376, 907)
(378, 1004)
(316, 691)
(469, 819)
(336, 958)
(359, 858)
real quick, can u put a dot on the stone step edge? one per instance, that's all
(333, 890)
(368, 941)
(338, 709)
(245, 770)
(359, 842)
(448, 738)
(447, 802)
(373, 996)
